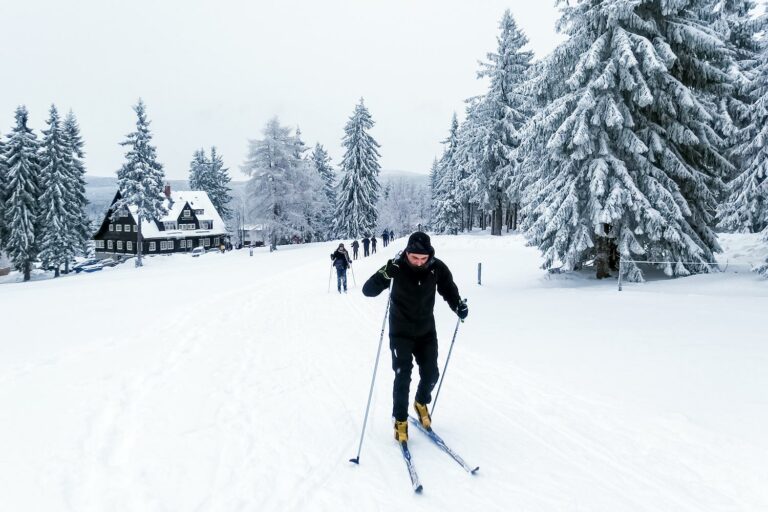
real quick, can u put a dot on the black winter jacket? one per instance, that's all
(341, 259)
(413, 295)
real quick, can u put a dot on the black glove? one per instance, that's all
(462, 310)
(390, 270)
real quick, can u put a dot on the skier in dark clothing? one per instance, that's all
(385, 238)
(373, 244)
(366, 244)
(391, 235)
(415, 274)
(355, 247)
(341, 261)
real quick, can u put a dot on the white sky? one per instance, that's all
(213, 73)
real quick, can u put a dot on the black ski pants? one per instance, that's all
(404, 350)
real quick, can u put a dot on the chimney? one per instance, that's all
(167, 190)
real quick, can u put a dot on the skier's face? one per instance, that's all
(417, 260)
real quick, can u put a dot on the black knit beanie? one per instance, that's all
(418, 243)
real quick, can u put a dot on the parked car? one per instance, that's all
(77, 267)
(92, 268)
(109, 262)
(197, 251)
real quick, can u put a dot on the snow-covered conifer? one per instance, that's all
(198, 170)
(79, 232)
(322, 164)
(282, 190)
(56, 215)
(21, 215)
(745, 208)
(447, 214)
(220, 191)
(140, 179)
(358, 191)
(632, 164)
(504, 110)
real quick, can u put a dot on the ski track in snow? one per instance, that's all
(251, 396)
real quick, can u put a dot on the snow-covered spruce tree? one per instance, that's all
(358, 191)
(220, 191)
(472, 159)
(80, 226)
(632, 163)
(504, 111)
(280, 186)
(447, 214)
(57, 220)
(745, 208)
(22, 210)
(140, 179)
(322, 164)
(3, 192)
(199, 170)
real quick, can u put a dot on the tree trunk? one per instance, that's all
(138, 242)
(496, 219)
(605, 253)
(27, 270)
(514, 217)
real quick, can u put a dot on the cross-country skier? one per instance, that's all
(342, 262)
(355, 247)
(415, 275)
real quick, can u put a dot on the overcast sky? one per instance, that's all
(213, 72)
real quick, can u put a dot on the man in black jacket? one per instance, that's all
(415, 274)
(341, 261)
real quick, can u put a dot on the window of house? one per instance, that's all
(187, 214)
(169, 225)
(99, 244)
(111, 227)
(207, 242)
(118, 227)
(135, 228)
(129, 246)
(127, 228)
(199, 212)
(119, 245)
(110, 245)
(151, 246)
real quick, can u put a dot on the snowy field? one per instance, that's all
(237, 383)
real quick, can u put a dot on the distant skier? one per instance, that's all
(366, 245)
(391, 235)
(385, 238)
(417, 274)
(342, 262)
(373, 244)
(355, 247)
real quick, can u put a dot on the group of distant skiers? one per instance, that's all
(369, 244)
(342, 261)
(412, 335)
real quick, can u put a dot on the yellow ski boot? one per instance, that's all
(401, 431)
(423, 414)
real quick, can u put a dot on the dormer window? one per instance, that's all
(198, 212)
(187, 213)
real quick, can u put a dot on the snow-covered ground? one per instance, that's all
(230, 382)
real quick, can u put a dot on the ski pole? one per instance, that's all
(445, 368)
(330, 272)
(356, 460)
(353, 275)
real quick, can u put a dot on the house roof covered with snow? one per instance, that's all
(197, 200)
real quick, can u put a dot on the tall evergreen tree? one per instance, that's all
(220, 191)
(632, 162)
(358, 192)
(199, 170)
(3, 198)
(80, 225)
(446, 195)
(322, 164)
(745, 208)
(504, 110)
(23, 191)
(140, 179)
(281, 188)
(56, 242)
